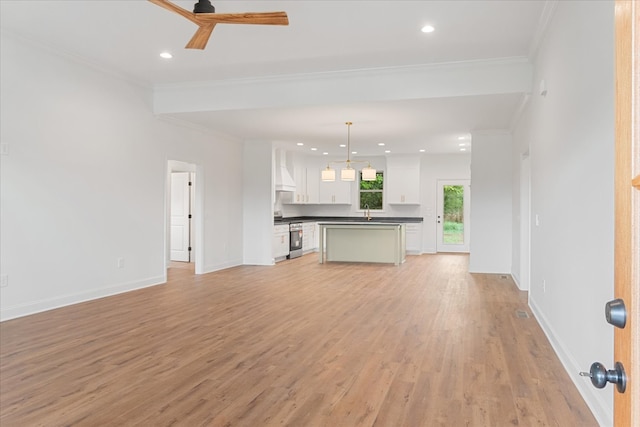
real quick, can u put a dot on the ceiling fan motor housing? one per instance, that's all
(204, 6)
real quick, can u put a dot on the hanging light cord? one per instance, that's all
(369, 169)
(348, 144)
(348, 161)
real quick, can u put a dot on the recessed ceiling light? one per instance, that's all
(422, 150)
(387, 151)
(314, 149)
(463, 149)
(166, 55)
(354, 152)
(300, 144)
(325, 153)
(462, 144)
(381, 144)
(428, 29)
(343, 145)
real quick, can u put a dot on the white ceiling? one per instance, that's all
(126, 37)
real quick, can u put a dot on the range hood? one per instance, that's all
(284, 182)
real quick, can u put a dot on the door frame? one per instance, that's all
(441, 247)
(197, 222)
(627, 206)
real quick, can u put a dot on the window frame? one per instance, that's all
(381, 191)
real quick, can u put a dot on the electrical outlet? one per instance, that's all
(120, 262)
(4, 281)
(537, 220)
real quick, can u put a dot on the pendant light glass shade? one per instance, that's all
(368, 173)
(328, 174)
(348, 174)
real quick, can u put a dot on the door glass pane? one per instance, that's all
(453, 227)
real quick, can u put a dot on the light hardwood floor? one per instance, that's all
(297, 344)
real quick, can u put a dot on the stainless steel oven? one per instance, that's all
(295, 239)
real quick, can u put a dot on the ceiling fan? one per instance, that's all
(205, 18)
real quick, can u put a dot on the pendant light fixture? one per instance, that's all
(348, 173)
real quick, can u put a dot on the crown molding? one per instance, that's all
(351, 73)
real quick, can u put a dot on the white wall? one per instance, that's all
(491, 195)
(570, 134)
(85, 184)
(258, 194)
(521, 186)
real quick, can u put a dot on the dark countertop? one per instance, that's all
(393, 219)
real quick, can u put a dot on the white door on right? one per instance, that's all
(180, 217)
(453, 215)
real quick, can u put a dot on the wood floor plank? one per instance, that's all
(296, 344)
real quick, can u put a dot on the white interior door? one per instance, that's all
(453, 215)
(180, 213)
(192, 209)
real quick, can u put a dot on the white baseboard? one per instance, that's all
(222, 266)
(516, 280)
(592, 396)
(66, 300)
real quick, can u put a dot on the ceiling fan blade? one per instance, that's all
(260, 18)
(176, 9)
(207, 21)
(201, 37)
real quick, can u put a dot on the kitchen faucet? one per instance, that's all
(367, 214)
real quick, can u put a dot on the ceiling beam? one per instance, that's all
(470, 78)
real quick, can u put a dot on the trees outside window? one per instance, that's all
(453, 214)
(371, 192)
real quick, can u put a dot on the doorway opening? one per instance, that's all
(453, 215)
(183, 216)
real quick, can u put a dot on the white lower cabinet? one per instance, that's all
(413, 237)
(309, 236)
(280, 246)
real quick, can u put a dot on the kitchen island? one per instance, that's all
(379, 242)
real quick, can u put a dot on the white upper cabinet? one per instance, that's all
(313, 185)
(307, 180)
(336, 192)
(311, 190)
(402, 180)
